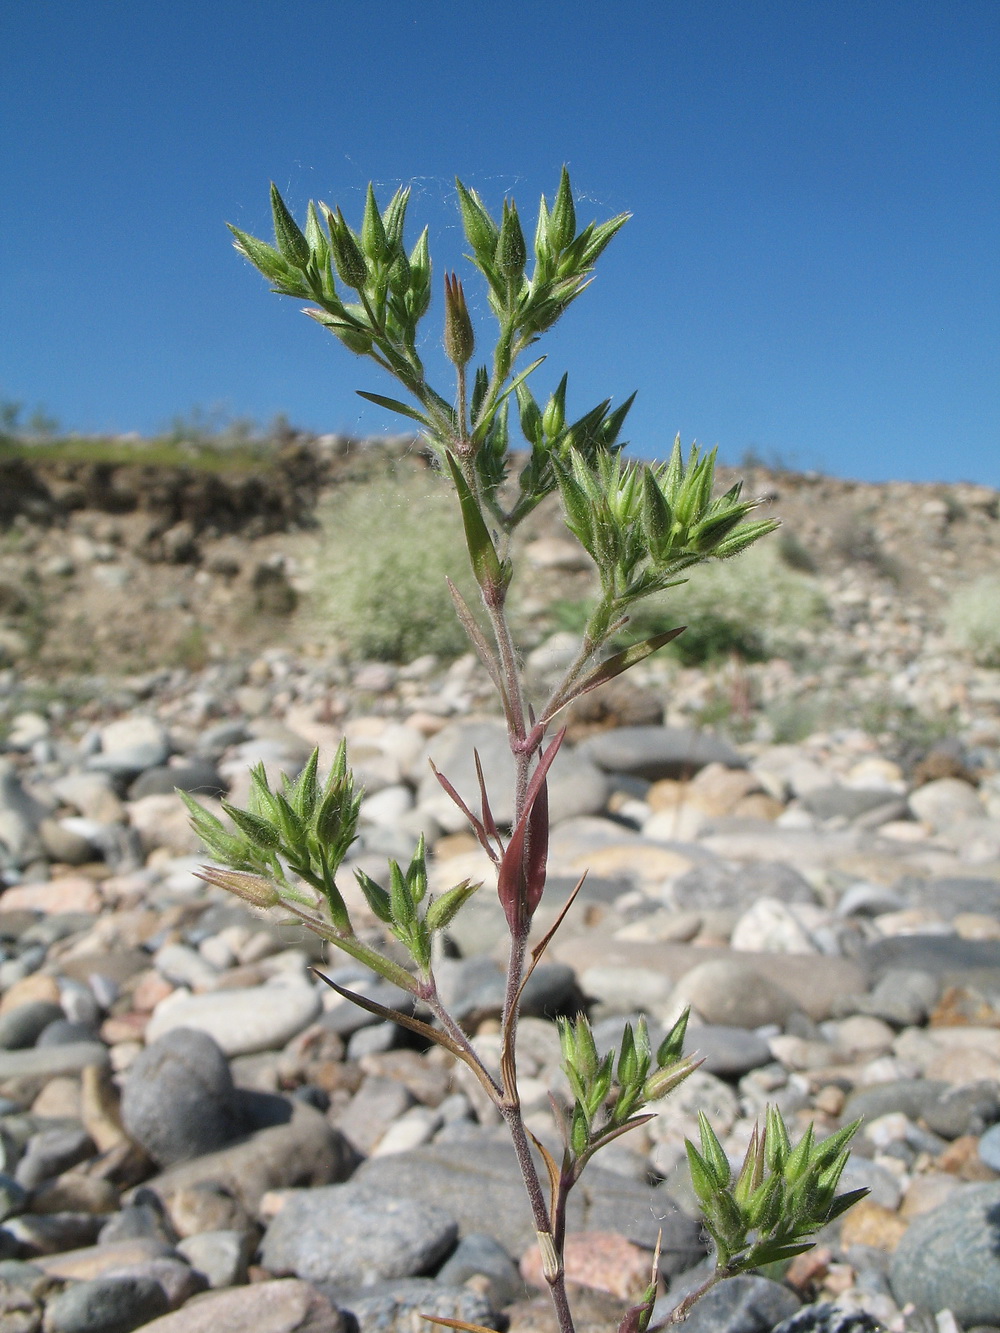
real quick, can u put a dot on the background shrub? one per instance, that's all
(388, 545)
(755, 606)
(973, 620)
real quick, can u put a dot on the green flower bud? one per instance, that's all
(459, 338)
(562, 219)
(511, 252)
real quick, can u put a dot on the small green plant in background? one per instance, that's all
(973, 620)
(645, 525)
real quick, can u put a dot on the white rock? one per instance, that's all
(242, 1022)
(771, 926)
(387, 805)
(946, 801)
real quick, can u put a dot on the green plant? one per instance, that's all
(390, 600)
(644, 525)
(973, 620)
(754, 607)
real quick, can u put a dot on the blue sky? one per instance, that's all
(811, 270)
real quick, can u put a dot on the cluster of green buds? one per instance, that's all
(393, 287)
(304, 829)
(780, 1196)
(608, 1096)
(296, 838)
(645, 524)
(409, 918)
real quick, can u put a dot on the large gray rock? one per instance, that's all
(949, 1258)
(260, 1018)
(305, 1151)
(20, 817)
(20, 1028)
(738, 1305)
(356, 1235)
(658, 752)
(825, 1317)
(954, 961)
(285, 1306)
(179, 1101)
(106, 1305)
(400, 1307)
(718, 884)
(478, 1182)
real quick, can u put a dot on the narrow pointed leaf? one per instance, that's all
(394, 405)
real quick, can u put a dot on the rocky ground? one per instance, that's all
(198, 1134)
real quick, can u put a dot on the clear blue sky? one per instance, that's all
(811, 270)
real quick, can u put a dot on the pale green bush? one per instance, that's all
(973, 620)
(755, 606)
(388, 546)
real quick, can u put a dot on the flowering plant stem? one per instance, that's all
(644, 525)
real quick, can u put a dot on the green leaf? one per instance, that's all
(264, 257)
(619, 662)
(482, 553)
(289, 239)
(443, 910)
(702, 1176)
(672, 1046)
(712, 1151)
(844, 1201)
(258, 830)
(404, 912)
(394, 405)
(375, 896)
(579, 1137)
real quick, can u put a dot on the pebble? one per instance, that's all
(106, 1305)
(241, 1022)
(179, 1100)
(948, 1258)
(355, 1236)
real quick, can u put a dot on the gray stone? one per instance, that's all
(733, 994)
(477, 1180)
(953, 894)
(740, 1305)
(52, 1233)
(106, 1305)
(862, 1173)
(911, 1096)
(716, 885)
(864, 899)
(952, 960)
(945, 801)
(550, 990)
(177, 1278)
(143, 1218)
(13, 1197)
(949, 1258)
(20, 817)
(260, 1018)
(373, 1108)
(728, 1052)
(989, 1148)
(399, 1307)
(199, 776)
(179, 1101)
(222, 1256)
(849, 802)
(305, 1151)
(21, 1027)
(62, 1032)
(50, 1152)
(826, 1317)
(451, 751)
(965, 1109)
(658, 752)
(34, 1068)
(127, 763)
(903, 996)
(479, 1254)
(286, 1306)
(355, 1235)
